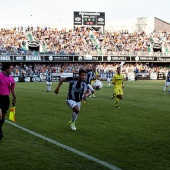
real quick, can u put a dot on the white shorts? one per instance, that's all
(48, 83)
(90, 87)
(167, 83)
(108, 80)
(72, 103)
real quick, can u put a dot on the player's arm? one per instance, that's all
(87, 93)
(59, 84)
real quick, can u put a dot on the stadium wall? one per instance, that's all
(147, 24)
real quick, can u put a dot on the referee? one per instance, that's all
(7, 86)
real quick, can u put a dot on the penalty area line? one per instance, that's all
(91, 158)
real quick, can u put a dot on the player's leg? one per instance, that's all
(47, 83)
(116, 90)
(166, 85)
(119, 95)
(76, 108)
(114, 94)
(92, 92)
(169, 87)
(91, 89)
(108, 82)
(49, 86)
(164, 89)
(89, 86)
(117, 103)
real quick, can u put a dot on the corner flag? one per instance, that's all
(12, 115)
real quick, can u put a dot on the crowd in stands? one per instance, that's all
(82, 41)
(101, 68)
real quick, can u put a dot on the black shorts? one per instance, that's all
(4, 103)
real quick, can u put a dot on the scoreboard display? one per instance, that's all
(89, 21)
(89, 18)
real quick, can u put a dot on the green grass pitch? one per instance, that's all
(134, 137)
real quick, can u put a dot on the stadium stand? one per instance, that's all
(82, 41)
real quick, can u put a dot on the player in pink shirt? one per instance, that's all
(7, 86)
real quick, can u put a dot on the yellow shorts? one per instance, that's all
(118, 91)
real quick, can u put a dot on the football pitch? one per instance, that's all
(134, 137)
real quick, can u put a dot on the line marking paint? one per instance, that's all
(91, 158)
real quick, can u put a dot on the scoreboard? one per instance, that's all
(89, 21)
(89, 18)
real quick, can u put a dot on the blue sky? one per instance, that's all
(60, 12)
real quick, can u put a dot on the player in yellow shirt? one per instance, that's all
(118, 86)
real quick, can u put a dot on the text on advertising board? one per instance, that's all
(5, 58)
(33, 58)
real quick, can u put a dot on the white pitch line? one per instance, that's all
(91, 158)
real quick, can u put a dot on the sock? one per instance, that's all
(74, 116)
(164, 89)
(109, 84)
(117, 101)
(49, 88)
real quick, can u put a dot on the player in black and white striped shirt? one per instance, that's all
(109, 76)
(90, 77)
(49, 77)
(77, 90)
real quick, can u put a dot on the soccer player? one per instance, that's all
(49, 77)
(167, 83)
(7, 86)
(77, 89)
(109, 75)
(90, 77)
(118, 85)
